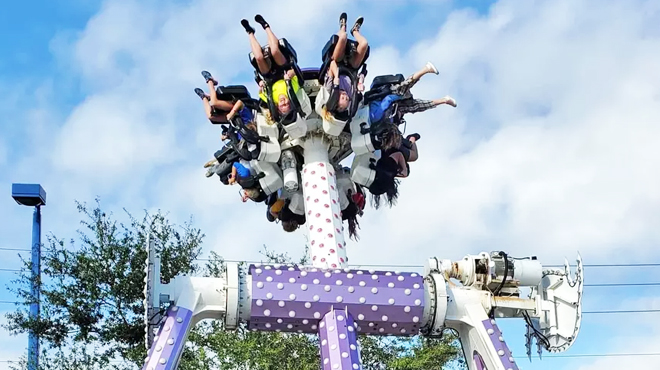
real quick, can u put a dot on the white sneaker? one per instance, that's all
(432, 68)
(451, 101)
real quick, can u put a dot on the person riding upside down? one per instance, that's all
(393, 164)
(277, 86)
(400, 96)
(338, 82)
(217, 111)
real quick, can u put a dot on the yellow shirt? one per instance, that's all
(279, 88)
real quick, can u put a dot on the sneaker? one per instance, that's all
(432, 68)
(259, 19)
(210, 163)
(200, 93)
(246, 25)
(207, 76)
(357, 25)
(451, 101)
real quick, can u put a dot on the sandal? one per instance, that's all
(342, 21)
(415, 135)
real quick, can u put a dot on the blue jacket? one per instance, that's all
(377, 108)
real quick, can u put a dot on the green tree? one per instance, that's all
(92, 312)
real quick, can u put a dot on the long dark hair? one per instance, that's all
(390, 138)
(391, 193)
(350, 214)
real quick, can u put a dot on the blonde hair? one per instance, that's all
(326, 114)
(269, 117)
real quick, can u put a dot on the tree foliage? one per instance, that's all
(92, 311)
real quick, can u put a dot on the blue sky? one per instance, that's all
(551, 150)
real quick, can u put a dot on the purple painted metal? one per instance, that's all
(338, 340)
(294, 299)
(479, 361)
(501, 348)
(169, 340)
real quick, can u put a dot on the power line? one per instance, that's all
(621, 311)
(598, 355)
(576, 355)
(421, 266)
(10, 270)
(621, 284)
(14, 249)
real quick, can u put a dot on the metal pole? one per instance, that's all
(323, 211)
(33, 338)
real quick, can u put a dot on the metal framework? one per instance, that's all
(340, 304)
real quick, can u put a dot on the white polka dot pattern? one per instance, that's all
(338, 338)
(323, 216)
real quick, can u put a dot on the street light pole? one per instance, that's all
(35, 196)
(33, 338)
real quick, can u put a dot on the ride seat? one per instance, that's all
(270, 150)
(328, 50)
(362, 171)
(344, 69)
(232, 93)
(297, 204)
(276, 71)
(270, 173)
(294, 123)
(344, 184)
(361, 142)
(380, 87)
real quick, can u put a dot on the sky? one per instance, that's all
(550, 152)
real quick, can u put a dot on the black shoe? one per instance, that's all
(342, 21)
(415, 135)
(357, 25)
(246, 25)
(259, 19)
(207, 76)
(200, 93)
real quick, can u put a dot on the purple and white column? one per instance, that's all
(169, 340)
(322, 209)
(503, 353)
(338, 340)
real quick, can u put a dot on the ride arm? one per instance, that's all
(190, 300)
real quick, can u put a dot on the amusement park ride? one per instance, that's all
(338, 303)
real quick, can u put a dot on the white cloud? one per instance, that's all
(550, 151)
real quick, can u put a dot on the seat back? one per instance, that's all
(232, 93)
(271, 181)
(361, 143)
(344, 184)
(297, 204)
(361, 172)
(386, 80)
(270, 150)
(328, 50)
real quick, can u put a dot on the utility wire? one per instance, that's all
(420, 266)
(576, 355)
(617, 311)
(598, 355)
(621, 284)
(14, 249)
(10, 270)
